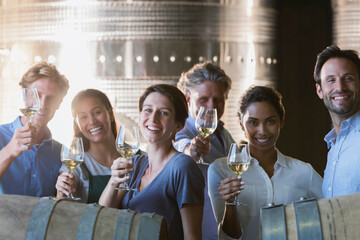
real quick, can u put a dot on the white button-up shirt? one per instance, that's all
(292, 180)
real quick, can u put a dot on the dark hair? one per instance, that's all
(202, 72)
(176, 97)
(260, 94)
(44, 69)
(334, 52)
(91, 93)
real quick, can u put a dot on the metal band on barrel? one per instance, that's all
(273, 222)
(307, 220)
(123, 224)
(40, 218)
(150, 225)
(87, 222)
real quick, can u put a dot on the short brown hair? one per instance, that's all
(44, 69)
(334, 52)
(176, 97)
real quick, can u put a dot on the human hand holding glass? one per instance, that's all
(29, 102)
(238, 161)
(127, 144)
(206, 123)
(72, 155)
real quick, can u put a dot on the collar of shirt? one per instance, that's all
(353, 122)
(280, 161)
(17, 124)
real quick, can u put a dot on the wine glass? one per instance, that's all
(206, 123)
(72, 155)
(29, 102)
(127, 144)
(238, 161)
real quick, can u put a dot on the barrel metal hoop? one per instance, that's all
(40, 217)
(150, 225)
(273, 222)
(88, 221)
(123, 224)
(307, 219)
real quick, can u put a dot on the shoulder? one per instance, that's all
(219, 168)
(219, 163)
(140, 159)
(189, 126)
(8, 129)
(56, 144)
(295, 164)
(182, 160)
(227, 133)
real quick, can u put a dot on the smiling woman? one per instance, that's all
(170, 183)
(94, 122)
(271, 177)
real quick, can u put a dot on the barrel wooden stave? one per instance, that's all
(16, 211)
(339, 217)
(15, 215)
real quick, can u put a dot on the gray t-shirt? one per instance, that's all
(82, 175)
(179, 182)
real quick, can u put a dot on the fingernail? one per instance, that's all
(242, 182)
(238, 177)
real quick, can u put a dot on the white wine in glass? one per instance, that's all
(238, 161)
(127, 144)
(72, 155)
(206, 123)
(29, 102)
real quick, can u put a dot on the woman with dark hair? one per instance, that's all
(272, 178)
(94, 122)
(169, 183)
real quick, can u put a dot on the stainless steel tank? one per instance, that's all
(346, 23)
(121, 47)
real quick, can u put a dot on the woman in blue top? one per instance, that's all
(170, 183)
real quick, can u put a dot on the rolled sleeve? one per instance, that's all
(181, 144)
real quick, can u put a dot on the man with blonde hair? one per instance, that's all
(29, 157)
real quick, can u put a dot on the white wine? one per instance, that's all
(71, 164)
(238, 168)
(205, 131)
(126, 152)
(28, 112)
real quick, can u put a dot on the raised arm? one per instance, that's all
(229, 188)
(110, 196)
(21, 141)
(194, 147)
(223, 188)
(65, 182)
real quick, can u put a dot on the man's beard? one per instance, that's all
(342, 109)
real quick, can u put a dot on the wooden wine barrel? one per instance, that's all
(331, 218)
(31, 218)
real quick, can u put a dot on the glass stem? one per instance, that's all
(125, 183)
(70, 193)
(236, 199)
(201, 160)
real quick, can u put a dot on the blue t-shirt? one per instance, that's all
(34, 172)
(178, 183)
